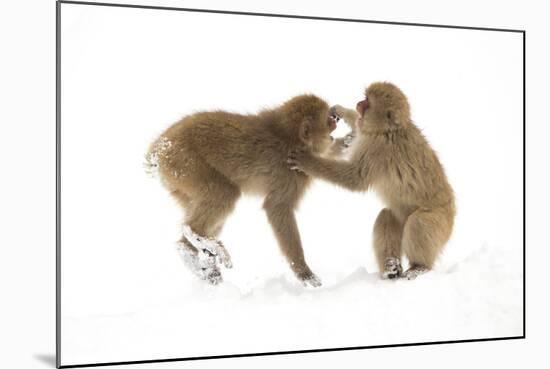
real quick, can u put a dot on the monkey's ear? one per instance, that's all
(305, 131)
(392, 117)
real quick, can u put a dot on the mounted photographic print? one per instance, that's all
(238, 184)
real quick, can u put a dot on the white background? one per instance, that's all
(32, 238)
(129, 73)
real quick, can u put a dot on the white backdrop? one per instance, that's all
(129, 73)
(28, 187)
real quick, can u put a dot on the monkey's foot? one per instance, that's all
(392, 268)
(213, 276)
(312, 280)
(414, 272)
(307, 277)
(202, 264)
(209, 245)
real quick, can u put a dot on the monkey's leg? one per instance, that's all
(388, 233)
(209, 199)
(214, 201)
(282, 220)
(202, 264)
(182, 198)
(425, 233)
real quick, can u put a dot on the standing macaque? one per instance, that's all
(391, 156)
(208, 159)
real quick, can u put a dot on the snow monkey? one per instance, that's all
(391, 156)
(208, 159)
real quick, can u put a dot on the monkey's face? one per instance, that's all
(315, 123)
(321, 128)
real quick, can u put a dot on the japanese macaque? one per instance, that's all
(208, 159)
(391, 156)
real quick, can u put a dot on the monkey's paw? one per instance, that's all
(213, 276)
(202, 264)
(414, 272)
(296, 159)
(337, 111)
(392, 268)
(208, 245)
(348, 139)
(312, 281)
(309, 278)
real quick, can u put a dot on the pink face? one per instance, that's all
(362, 106)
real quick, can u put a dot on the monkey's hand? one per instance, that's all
(337, 110)
(307, 277)
(348, 139)
(348, 115)
(334, 116)
(298, 159)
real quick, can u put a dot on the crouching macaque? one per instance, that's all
(208, 159)
(391, 156)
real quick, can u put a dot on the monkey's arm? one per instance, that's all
(348, 115)
(344, 173)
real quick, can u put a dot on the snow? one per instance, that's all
(210, 245)
(475, 298)
(145, 303)
(158, 150)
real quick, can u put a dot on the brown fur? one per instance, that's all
(392, 157)
(208, 159)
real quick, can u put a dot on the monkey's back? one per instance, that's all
(243, 148)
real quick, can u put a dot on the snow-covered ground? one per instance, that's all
(126, 294)
(479, 297)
